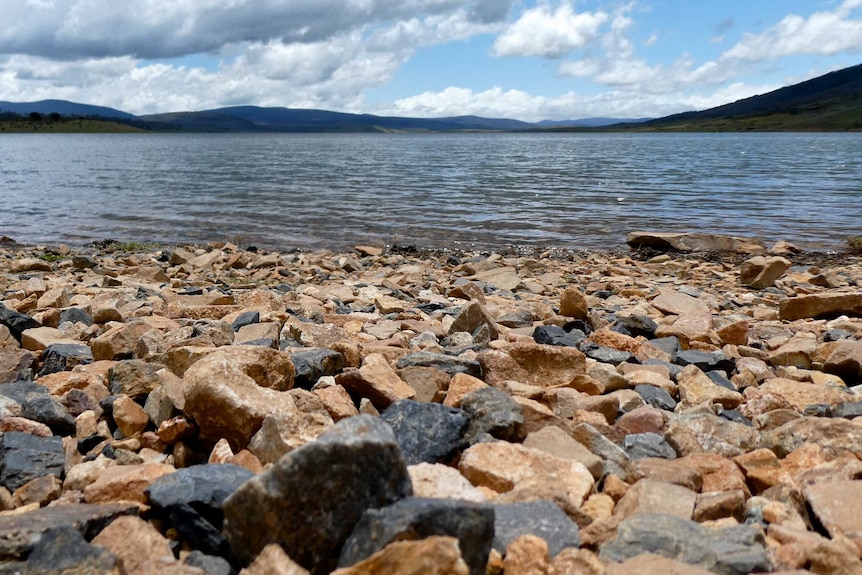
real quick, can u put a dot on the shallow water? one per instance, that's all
(464, 190)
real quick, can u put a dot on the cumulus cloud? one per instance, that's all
(550, 33)
(822, 33)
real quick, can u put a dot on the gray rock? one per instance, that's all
(555, 335)
(134, 377)
(492, 412)
(416, 518)
(669, 344)
(606, 354)
(247, 318)
(516, 319)
(449, 364)
(63, 357)
(704, 360)
(541, 518)
(427, 432)
(16, 364)
(638, 325)
(75, 315)
(309, 501)
(17, 322)
(313, 364)
(64, 551)
(848, 410)
(24, 457)
(204, 487)
(616, 460)
(735, 550)
(471, 317)
(38, 405)
(211, 564)
(641, 445)
(656, 397)
(199, 532)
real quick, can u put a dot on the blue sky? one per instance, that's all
(525, 59)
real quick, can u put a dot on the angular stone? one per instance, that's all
(431, 556)
(472, 317)
(125, 483)
(533, 364)
(649, 564)
(63, 357)
(427, 432)
(312, 364)
(712, 506)
(129, 416)
(797, 352)
(650, 496)
(696, 388)
(311, 513)
(801, 394)
(39, 338)
(556, 442)
(135, 378)
(730, 550)
(574, 304)
(616, 461)
(491, 412)
(700, 431)
(821, 305)
(376, 381)
(442, 482)
(447, 363)
(337, 402)
(279, 434)
(204, 487)
(761, 271)
(555, 335)
(133, 541)
(17, 323)
(838, 506)
(119, 342)
(16, 364)
(459, 387)
(24, 457)
(845, 360)
(64, 551)
(641, 445)
(415, 518)
(40, 491)
(273, 561)
(716, 473)
(540, 518)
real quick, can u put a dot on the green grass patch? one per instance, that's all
(855, 244)
(51, 258)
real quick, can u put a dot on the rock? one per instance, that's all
(376, 381)
(527, 555)
(273, 561)
(800, 394)
(640, 445)
(820, 305)
(649, 496)
(649, 564)
(704, 361)
(491, 412)
(846, 360)
(203, 487)
(258, 332)
(427, 432)
(40, 491)
(17, 323)
(63, 357)
(129, 416)
(533, 364)
(118, 342)
(540, 518)
(16, 364)
(472, 317)
(574, 304)
(449, 364)
(125, 483)
(656, 397)
(311, 514)
(431, 556)
(313, 364)
(696, 388)
(761, 272)
(135, 378)
(225, 398)
(838, 507)
(558, 443)
(64, 551)
(701, 431)
(502, 466)
(38, 405)
(555, 335)
(39, 338)
(637, 325)
(693, 242)
(416, 518)
(716, 505)
(730, 550)
(516, 319)
(210, 564)
(616, 461)
(337, 402)
(133, 541)
(442, 482)
(24, 457)
(279, 434)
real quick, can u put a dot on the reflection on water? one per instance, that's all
(483, 190)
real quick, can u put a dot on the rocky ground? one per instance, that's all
(192, 410)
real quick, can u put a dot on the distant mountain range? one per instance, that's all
(832, 102)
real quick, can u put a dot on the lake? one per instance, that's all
(487, 191)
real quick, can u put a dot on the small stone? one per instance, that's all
(376, 381)
(273, 561)
(760, 272)
(574, 304)
(491, 412)
(442, 482)
(650, 564)
(133, 541)
(539, 518)
(696, 388)
(650, 496)
(527, 555)
(125, 483)
(558, 443)
(312, 364)
(41, 491)
(129, 416)
(431, 556)
(472, 317)
(845, 360)
(427, 432)
(641, 445)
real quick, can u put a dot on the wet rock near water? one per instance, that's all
(197, 410)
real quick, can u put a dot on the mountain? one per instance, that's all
(63, 108)
(590, 122)
(832, 102)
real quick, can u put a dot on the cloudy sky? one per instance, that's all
(525, 59)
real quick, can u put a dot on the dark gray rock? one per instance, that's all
(64, 356)
(38, 405)
(416, 518)
(735, 550)
(211, 564)
(24, 457)
(606, 354)
(492, 412)
(735, 416)
(541, 518)
(204, 487)
(17, 322)
(720, 378)
(641, 445)
(427, 432)
(447, 363)
(309, 501)
(75, 315)
(848, 410)
(656, 397)
(669, 344)
(64, 551)
(264, 342)
(516, 319)
(637, 325)
(77, 402)
(247, 318)
(134, 377)
(311, 365)
(198, 532)
(836, 335)
(705, 360)
(555, 335)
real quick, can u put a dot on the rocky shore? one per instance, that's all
(219, 410)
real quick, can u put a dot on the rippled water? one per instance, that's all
(464, 190)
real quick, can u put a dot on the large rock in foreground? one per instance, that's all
(820, 305)
(309, 501)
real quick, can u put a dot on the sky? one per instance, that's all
(524, 59)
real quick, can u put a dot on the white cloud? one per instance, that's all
(549, 33)
(822, 33)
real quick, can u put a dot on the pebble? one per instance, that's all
(208, 398)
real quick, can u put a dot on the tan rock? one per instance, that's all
(460, 385)
(533, 364)
(38, 338)
(442, 482)
(273, 561)
(257, 331)
(41, 491)
(179, 359)
(761, 271)
(846, 360)
(472, 317)
(713, 506)
(556, 442)
(15, 363)
(577, 562)
(501, 466)
(167, 566)
(649, 564)
(801, 394)
(119, 342)
(24, 425)
(55, 298)
(337, 402)
(30, 265)
(377, 381)
(670, 471)
(821, 305)
(129, 416)
(431, 556)
(673, 302)
(735, 333)
(527, 555)
(797, 352)
(573, 303)
(280, 434)
(762, 469)
(838, 506)
(133, 541)
(696, 388)
(717, 473)
(650, 496)
(125, 483)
